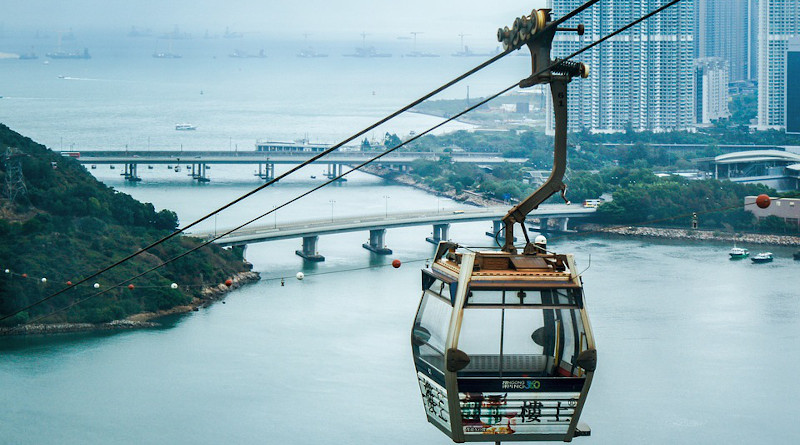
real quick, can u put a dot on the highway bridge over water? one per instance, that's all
(552, 217)
(197, 162)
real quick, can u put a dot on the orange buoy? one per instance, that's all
(24, 275)
(396, 263)
(131, 286)
(763, 201)
(229, 282)
(69, 283)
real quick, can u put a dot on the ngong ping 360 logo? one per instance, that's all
(523, 385)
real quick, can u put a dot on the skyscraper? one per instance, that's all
(778, 21)
(723, 29)
(641, 79)
(711, 90)
(793, 86)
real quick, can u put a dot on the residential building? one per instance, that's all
(778, 21)
(711, 90)
(723, 30)
(641, 79)
(793, 86)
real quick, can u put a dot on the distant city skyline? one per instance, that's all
(323, 19)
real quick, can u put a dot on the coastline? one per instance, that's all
(474, 199)
(209, 295)
(694, 235)
(466, 197)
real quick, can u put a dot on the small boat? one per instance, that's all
(763, 257)
(94, 167)
(111, 167)
(737, 253)
(313, 176)
(149, 167)
(177, 168)
(185, 127)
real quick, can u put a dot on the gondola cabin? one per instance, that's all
(502, 345)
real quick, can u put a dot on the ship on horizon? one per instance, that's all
(309, 53)
(366, 51)
(69, 54)
(238, 54)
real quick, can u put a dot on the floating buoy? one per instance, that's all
(69, 283)
(24, 275)
(396, 263)
(96, 285)
(174, 285)
(44, 280)
(282, 283)
(8, 271)
(300, 276)
(763, 201)
(131, 286)
(229, 282)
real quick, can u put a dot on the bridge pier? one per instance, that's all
(558, 224)
(335, 170)
(498, 226)
(377, 242)
(266, 171)
(199, 173)
(130, 173)
(561, 224)
(440, 233)
(309, 251)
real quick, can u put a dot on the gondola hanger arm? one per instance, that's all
(537, 32)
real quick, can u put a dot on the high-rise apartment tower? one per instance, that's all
(778, 22)
(641, 79)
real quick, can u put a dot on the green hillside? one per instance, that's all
(68, 225)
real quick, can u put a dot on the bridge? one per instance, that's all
(197, 162)
(551, 217)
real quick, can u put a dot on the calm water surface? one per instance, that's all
(693, 347)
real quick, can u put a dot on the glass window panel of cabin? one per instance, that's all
(430, 329)
(521, 354)
(480, 339)
(569, 335)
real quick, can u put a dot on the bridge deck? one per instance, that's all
(270, 232)
(254, 157)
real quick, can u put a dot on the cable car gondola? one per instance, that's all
(502, 343)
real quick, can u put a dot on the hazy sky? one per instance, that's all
(382, 18)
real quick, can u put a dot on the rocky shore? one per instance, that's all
(466, 197)
(695, 235)
(475, 199)
(209, 295)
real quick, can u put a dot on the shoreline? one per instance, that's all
(474, 199)
(466, 197)
(693, 235)
(209, 295)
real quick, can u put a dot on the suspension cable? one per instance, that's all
(324, 153)
(302, 195)
(274, 180)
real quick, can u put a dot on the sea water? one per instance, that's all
(692, 347)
